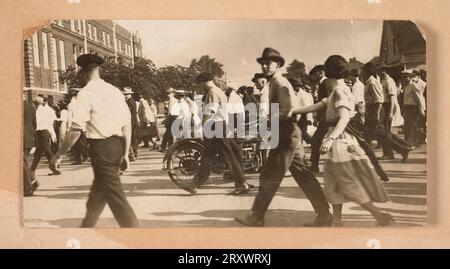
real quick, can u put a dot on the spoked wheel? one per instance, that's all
(183, 163)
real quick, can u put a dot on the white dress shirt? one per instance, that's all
(358, 91)
(101, 110)
(45, 117)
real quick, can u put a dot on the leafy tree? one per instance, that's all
(207, 64)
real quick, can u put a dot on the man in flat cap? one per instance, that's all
(215, 115)
(288, 155)
(101, 110)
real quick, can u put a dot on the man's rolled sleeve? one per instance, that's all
(81, 111)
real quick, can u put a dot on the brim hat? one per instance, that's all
(89, 60)
(127, 90)
(406, 73)
(180, 93)
(416, 72)
(170, 90)
(258, 76)
(271, 54)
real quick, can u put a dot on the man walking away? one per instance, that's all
(104, 114)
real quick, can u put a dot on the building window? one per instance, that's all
(72, 25)
(36, 57)
(108, 40)
(62, 55)
(54, 54)
(80, 27)
(94, 30)
(104, 37)
(45, 49)
(120, 45)
(89, 31)
(75, 54)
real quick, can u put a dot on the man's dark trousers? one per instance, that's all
(288, 155)
(79, 149)
(167, 139)
(319, 134)
(412, 118)
(232, 153)
(43, 147)
(375, 129)
(106, 156)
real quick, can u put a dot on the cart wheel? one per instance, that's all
(183, 164)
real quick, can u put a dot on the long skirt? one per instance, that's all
(349, 175)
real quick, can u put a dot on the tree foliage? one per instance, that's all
(207, 64)
(145, 78)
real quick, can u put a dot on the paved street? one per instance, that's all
(60, 200)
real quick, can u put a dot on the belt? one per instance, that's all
(102, 139)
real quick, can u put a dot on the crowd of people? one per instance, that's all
(338, 111)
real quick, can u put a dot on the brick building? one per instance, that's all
(56, 47)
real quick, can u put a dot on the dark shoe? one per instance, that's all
(387, 157)
(314, 168)
(321, 221)
(240, 190)
(405, 157)
(28, 194)
(251, 220)
(190, 189)
(385, 220)
(55, 173)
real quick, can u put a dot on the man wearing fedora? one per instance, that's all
(128, 92)
(101, 110)
(288, 154)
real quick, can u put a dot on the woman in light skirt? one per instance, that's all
(348, 172)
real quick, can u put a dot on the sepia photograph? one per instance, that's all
(225, 123)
